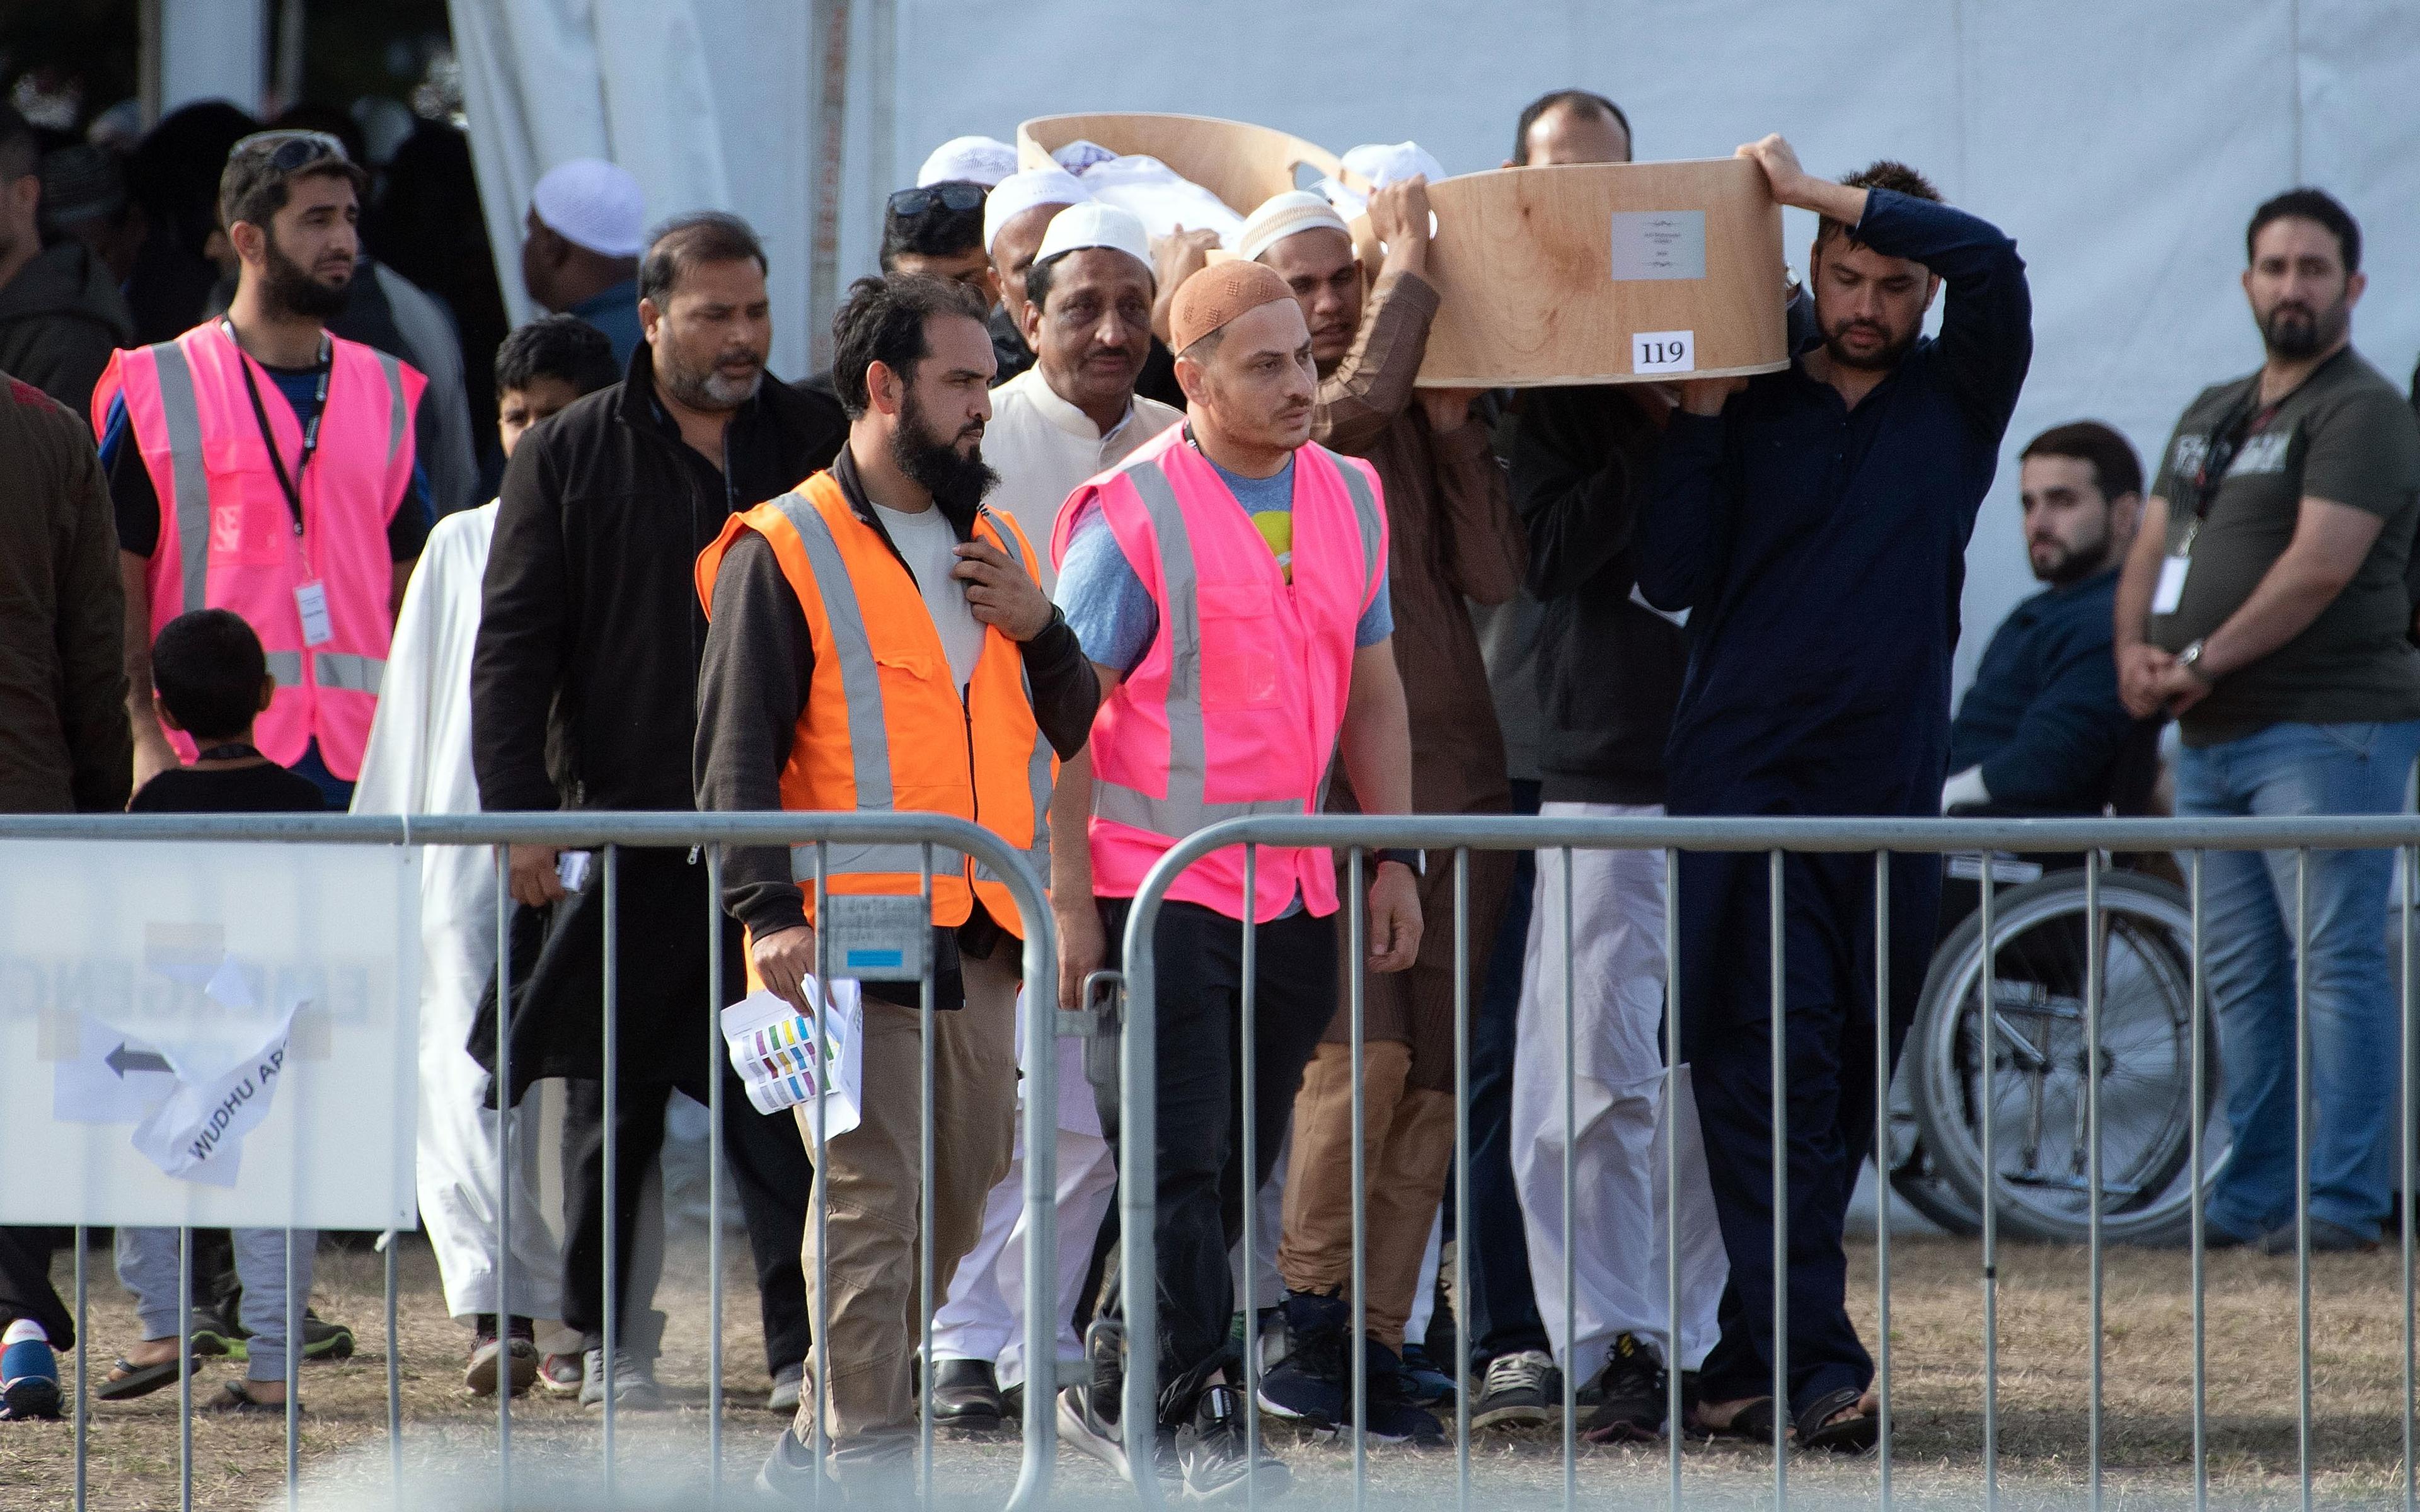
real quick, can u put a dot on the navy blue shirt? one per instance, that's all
(2041, 718)
(1820, 550)
(614, 312)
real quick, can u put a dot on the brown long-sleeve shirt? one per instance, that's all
(1452, 537)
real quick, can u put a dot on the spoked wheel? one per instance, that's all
(1909, 1167)
(2036, 1091)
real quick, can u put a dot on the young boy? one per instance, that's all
(211, 680)
(418, 762)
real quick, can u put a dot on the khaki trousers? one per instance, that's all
(869, 1177)
(1408, 1148)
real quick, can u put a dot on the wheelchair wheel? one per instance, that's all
(1909, 1164)
(2036, 1088)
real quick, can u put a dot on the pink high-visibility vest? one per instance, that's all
(1236, 706)
(228, 535)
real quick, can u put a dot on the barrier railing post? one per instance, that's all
(2409, 1124)
(2303, 1168)
(2200, 1094)
(1137, 1180)
(394, 1370)
(1570, 1101)
(1675, 1350)
(821, 1203)
(612, 1194)
(184, 1369)
(2092, 1151)
(1778, 1069)
(1988, 1028)
(1881, 1174)
(714, 1075)
(84, 1376)
(1248, 1083)
(1461, 1177)
(1355, 959)
(504, 1107)
(924, 1164)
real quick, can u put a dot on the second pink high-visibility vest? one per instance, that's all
(227, 536)
(1237, 704)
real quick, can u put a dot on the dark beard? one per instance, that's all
(958, 482)
(2289, 333)
(290, 288)
(1883, 360)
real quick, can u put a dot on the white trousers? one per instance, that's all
(457, 1172)
(1617, 1153)
(984, 1315)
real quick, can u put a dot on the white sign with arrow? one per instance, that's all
(228, 1034)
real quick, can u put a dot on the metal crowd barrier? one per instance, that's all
(610, 834)
(1354, 836)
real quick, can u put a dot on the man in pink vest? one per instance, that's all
(1228, 584)
(260, 463)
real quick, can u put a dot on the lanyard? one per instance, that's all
(292, 486)
(2250, 418)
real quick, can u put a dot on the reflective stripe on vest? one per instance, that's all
(184, 418)
(869, 741)
(1185, 808)
(1037, 773)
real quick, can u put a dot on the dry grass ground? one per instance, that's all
(2356, 1367)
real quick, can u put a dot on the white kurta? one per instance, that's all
(1043, 448)
(419, 762)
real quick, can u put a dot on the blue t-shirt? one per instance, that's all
(1112, 612)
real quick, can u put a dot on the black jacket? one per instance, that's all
(583, 685)
(60, 318)
(1608, 668)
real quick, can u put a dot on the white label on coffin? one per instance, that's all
(1659, 244)
(1664, 351)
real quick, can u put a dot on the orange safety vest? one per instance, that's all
(884, 729)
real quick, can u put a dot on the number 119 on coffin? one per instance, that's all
(1605, 273)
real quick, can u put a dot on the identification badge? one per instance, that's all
(311, 599)
(2172, 585)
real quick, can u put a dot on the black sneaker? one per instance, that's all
(1308, 1386)
(1213, 1458)
(1521, 1387)
(1394, 1417)
(1630, 1397)
(1088, 1411)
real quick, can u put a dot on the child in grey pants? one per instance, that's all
(148, 1266)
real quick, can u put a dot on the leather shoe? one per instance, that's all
(966, 1397)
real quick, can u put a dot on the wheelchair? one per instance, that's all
(2035, 1089)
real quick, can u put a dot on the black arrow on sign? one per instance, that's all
(122, 1060)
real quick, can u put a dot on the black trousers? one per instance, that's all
(1199, 1203)
(25, 1289)
(1829, 984)
(768, 1164)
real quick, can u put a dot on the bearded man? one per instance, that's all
(2264, 605)
(583, 693)
(1814, 522)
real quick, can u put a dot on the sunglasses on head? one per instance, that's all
(293, 149)
(907, 203)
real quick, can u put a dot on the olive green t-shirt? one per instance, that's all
(2346, 435)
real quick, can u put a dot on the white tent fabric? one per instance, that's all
(705, 101)
(2123, 142)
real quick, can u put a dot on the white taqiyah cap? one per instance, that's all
(594, 204)
(1284, 215)
(1096, 224)
(982, 159)
(1022, 192)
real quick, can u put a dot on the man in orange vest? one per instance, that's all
(1228, 584)
(878, 642)
(260, 463)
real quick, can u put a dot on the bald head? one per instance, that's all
(1571, 126)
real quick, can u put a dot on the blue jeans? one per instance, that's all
(338, 792)
(2248, 904)
(1503, 1311)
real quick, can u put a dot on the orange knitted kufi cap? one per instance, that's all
(1217, 294)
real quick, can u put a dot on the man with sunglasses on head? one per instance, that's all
(260, 463)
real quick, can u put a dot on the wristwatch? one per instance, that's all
(1417, 861)
(2190, 659)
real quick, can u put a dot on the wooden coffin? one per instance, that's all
(1604, 273)
(1240, 163)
